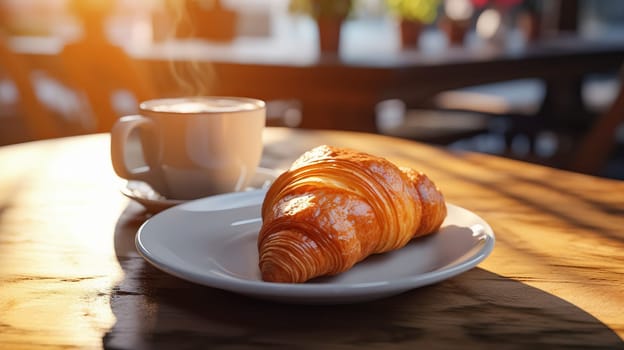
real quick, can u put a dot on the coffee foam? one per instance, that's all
(205, 106)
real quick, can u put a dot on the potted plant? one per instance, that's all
(329, 16)
(528, 20)
(211, 20)
(413, 16)
(497, 17)
(457, 18)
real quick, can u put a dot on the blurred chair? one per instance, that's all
(596, 146)
(100, 72)
(515, 97)
(38, 121)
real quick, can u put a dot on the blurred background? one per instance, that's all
(535, 80)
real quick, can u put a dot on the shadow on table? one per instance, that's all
(478, 308)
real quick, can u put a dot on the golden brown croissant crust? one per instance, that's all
(336, 206)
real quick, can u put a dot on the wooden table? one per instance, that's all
(70, 275)
(341, 91)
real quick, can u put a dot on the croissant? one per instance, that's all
(334, 207)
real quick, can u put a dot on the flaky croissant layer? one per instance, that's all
(334, 207)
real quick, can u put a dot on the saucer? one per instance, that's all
(154, 202)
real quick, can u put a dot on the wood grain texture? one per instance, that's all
(70, 276)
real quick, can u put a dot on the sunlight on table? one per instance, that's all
(86, 236)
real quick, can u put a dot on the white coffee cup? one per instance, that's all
(192, 147)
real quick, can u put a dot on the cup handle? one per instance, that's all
(120, 133)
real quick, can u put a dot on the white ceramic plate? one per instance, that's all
(212, 241)
(154, 202)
